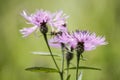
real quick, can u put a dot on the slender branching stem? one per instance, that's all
(62, 61)
(46, 40)
(61, 76)
(69, 56)
(78, 62)
(68, 68)
(80, 50)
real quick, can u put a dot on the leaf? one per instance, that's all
(80, 77)
(84, 67)
(42, 69)
(45, 54)
(68, 77)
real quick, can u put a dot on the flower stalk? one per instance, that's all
(79, 51)
(78, 62)
(69, 57)
(45, 38)
(62, 61)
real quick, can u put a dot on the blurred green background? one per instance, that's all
(100, 16)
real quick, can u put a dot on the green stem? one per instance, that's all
(80, 49)
(68, 69)
(62, 62)
(68, 63)
(45, 37)
(61, 76)
(78, 62)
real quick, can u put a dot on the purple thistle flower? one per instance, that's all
(88, 39)
(58, 39)
(37, 19)
(64, 37)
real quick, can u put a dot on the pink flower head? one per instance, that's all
(65, 38)
(59, 22)
(58, 39)
(89, 40)
(39, 18)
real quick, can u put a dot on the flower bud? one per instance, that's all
(43, 28)
(69, 57)
(80, 48)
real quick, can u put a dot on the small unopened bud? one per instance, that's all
(69, 57)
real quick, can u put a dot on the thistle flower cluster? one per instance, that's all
(89, 40)
(58, 21)
(79, 40)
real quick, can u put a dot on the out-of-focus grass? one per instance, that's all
(100, 16)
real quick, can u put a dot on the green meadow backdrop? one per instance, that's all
(100, 16)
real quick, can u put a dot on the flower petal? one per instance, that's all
(27, 31)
